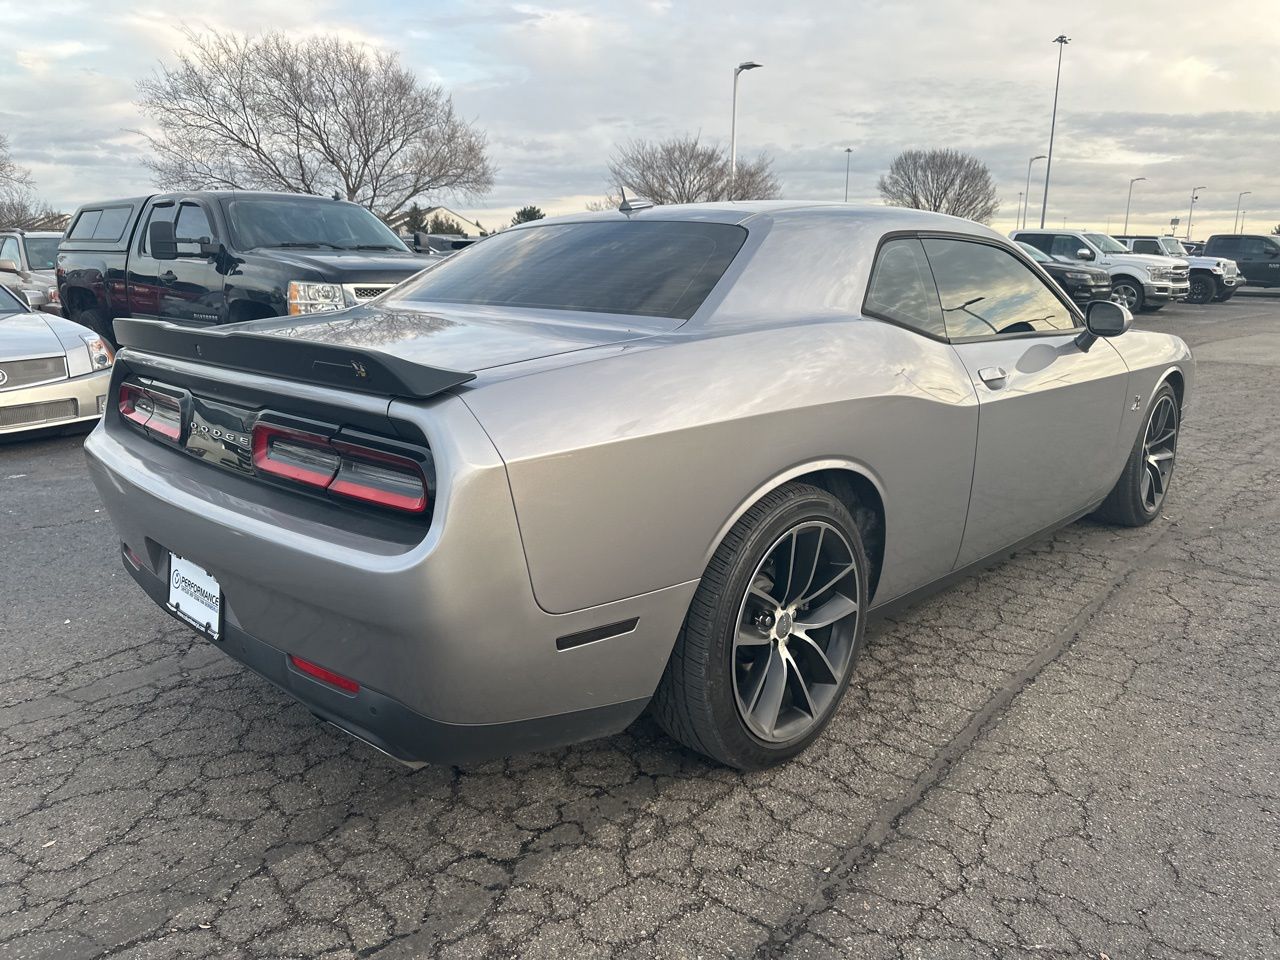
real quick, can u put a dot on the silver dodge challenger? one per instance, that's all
(665, 457)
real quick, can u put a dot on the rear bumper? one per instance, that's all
(389, 725)
(444, 633)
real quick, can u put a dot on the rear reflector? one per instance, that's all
(318, 672)
(344, 469)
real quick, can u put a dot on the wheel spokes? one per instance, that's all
(812, 652)
(767, 702)
(837, 608)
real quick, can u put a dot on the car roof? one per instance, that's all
(743, 212)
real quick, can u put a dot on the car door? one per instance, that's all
(144, 271)
(192, 286)
(1259, 260)
(1048, 411)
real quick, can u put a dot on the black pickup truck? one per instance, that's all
(221, 256)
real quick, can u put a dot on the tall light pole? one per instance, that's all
(733, 122)
(1192, 209)
(1027, 204)
(1061, 40)
(1132, 181)
(848, 152)
(1236, 221)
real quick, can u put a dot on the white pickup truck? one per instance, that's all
(1139, 281)
(1212, 278)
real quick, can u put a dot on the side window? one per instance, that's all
(112, 223)
(902, 289)
(1041, 241)
(192, 223)
(85, 224)
(1065, 246)
(9, 251)
(1225, 247)
(1147, 246)
(159, 214)
(1252, 248)
(986, 291)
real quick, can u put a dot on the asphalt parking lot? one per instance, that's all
(1074, 754)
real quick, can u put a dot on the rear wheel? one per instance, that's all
(1140, 492)
(1129, 292)
(768, 646)
(98, 322)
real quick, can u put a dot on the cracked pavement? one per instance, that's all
(1075, 753)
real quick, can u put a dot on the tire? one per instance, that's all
(1131, 502)
(718, 692)
(98, 322)
(1153, 307)
(1128, 291)
(1225, 295)
(1203, 288)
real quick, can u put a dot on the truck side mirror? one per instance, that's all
(8, 266)
(161, 242)
(1084, 253)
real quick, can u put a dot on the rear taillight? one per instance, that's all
(147, 408)
(314, 670)
(344, 469)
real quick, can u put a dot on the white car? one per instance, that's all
(1139, 281)
(53, 373)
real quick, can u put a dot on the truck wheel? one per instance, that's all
(98, 322)
(769, 643)
(1128, 291)
(1203, 288)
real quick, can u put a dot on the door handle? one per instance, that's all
(993, 377)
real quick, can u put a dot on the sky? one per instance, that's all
(1184, 94)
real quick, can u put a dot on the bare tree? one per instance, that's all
(945, 181)
(19, 205)
(684, 170)
(319, 115)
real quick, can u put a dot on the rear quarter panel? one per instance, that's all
(627, 471)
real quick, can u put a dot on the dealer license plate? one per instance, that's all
(195, 595)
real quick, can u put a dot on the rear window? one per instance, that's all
(645, 268)
(106, 223)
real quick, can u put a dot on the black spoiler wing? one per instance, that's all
(290, 358)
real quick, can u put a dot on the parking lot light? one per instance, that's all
(1027, 201)
(1061, 40)
(1235, 224)
(1132, 181)
(1192, 208)
(848, 152)
(733, 122)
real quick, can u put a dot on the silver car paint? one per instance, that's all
(591, 485)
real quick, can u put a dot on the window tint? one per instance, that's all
(1065, 246)
(9, 251)
(902, 289)
(192, 223)
(9, 303)
(111, 225)
(306, 222)
(85, 224)
(1253, 248)
(1147, 246)
(650, 268)
(158, 214)
(986, 291)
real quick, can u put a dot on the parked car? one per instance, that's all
(1212, 278)
(439, 244)
(1081, 281)
(213, 257)
(674, 454)
(1139, 281)
(1257, 255)
(27, 261)
(1194, 247)
(53, 373)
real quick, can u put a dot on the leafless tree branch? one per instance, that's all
(945, 181)
(684, 170)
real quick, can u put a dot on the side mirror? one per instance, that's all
(1103, 318)
(1084, 253)
(8, 266)
(161, 242)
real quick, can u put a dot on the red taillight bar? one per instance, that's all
(312, 474)
(318, 672)
(130, 396)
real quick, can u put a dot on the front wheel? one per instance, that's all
(1203, 288)
(768, 646)
(99, 323)
(1129, 292)
(1140, 492)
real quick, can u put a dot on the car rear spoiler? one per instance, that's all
(290, 358)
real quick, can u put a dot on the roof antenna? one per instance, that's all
(631, 206)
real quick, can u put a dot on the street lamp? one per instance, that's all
(1061, 40)
(1027, 204)
(1192, 208)
(848, 152)
(1236, 221)
(733, 122)
(1132, 181)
